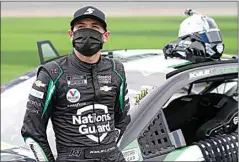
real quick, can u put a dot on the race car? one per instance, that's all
(181, 111)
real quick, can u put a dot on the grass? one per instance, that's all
(19, 37)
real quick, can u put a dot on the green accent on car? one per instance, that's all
(172, 156)
(180, 65)
(134, 145)
(121, 96)
(43, 153)
(51, 89)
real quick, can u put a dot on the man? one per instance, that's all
(199, 39)
(84, 94)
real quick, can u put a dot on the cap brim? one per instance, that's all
(89, 16)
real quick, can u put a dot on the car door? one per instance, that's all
(147, 137)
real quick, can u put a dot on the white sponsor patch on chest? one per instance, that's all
(73, 95)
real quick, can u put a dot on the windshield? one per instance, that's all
(228, 87)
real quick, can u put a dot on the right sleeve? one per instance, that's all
(38, 112)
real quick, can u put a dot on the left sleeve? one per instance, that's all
(122, 118)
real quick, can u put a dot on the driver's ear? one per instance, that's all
(70, 34)
(106, 36)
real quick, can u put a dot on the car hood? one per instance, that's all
(14, 153)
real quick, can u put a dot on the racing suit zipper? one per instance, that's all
(93, 79)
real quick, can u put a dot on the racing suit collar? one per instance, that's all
(84, 65)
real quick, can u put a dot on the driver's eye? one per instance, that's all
(81, 26)
(95, 27)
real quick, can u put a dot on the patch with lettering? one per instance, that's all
(78, 80)
(36, 93)
(104, 79)
(55, 71)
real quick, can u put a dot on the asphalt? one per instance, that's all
(117, 8)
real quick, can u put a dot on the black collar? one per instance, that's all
(84, 65)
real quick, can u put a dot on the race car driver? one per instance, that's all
(199, 39)
(84, 94)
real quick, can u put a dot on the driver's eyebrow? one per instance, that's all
(93, 23)
(80, 23)
(96, 23)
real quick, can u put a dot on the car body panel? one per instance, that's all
(154, 64)
(5, 146)
(156, 100)
(132, 152)
(190, 153)
(11, 152)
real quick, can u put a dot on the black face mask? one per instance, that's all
(87, 41)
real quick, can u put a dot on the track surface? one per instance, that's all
(19, 9)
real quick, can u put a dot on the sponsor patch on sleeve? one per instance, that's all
(39, 83)
(36, 93)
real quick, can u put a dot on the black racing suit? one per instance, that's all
(87, 105)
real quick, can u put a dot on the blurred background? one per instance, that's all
(133, 25)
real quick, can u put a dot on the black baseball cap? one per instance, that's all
(89, 12)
